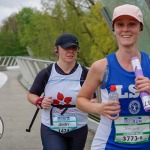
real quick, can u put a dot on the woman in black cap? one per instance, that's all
(63, 126)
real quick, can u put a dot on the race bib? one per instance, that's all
(64, 124)
(132, 130)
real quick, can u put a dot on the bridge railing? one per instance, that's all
(29, 68)
(8, 61)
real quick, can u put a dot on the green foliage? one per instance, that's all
(99, 40)
(37, 31)
(12, 46)
(9, 42)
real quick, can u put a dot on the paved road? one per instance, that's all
(17, 113)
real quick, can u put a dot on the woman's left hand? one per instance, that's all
(142, 84)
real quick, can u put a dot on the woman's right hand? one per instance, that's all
(46, 103)
(109, 108)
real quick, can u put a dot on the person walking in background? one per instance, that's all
(63, 126)
(131, 129)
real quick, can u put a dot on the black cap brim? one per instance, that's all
(69, 45)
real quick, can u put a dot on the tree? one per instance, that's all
(9, 42)
(38, 30)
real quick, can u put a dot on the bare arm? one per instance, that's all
(46, 103)
(93, 80)
(88, 88)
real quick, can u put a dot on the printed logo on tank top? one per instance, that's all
(61, 100)
(130, 94)
(134, 107)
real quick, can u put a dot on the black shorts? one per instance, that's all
(73, 140)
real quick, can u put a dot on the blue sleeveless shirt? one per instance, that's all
(132, 129)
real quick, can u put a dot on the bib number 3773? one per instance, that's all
(132, 129)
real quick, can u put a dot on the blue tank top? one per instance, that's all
(132, 129)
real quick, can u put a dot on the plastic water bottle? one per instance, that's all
(138, 72)
(113, 95)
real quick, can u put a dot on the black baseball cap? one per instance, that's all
(66, 40)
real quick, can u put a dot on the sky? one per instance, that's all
(7, 7)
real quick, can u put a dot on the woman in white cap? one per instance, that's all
(131, 129)
(63, 126)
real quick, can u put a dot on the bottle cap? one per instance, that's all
(113, 88)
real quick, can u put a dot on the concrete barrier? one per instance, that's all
(3, 67)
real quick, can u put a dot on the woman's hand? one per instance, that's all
(142, 84)
(46, 103)
(109, 108)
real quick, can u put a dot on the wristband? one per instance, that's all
(39, 102)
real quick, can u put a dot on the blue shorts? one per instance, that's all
(73, 140)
